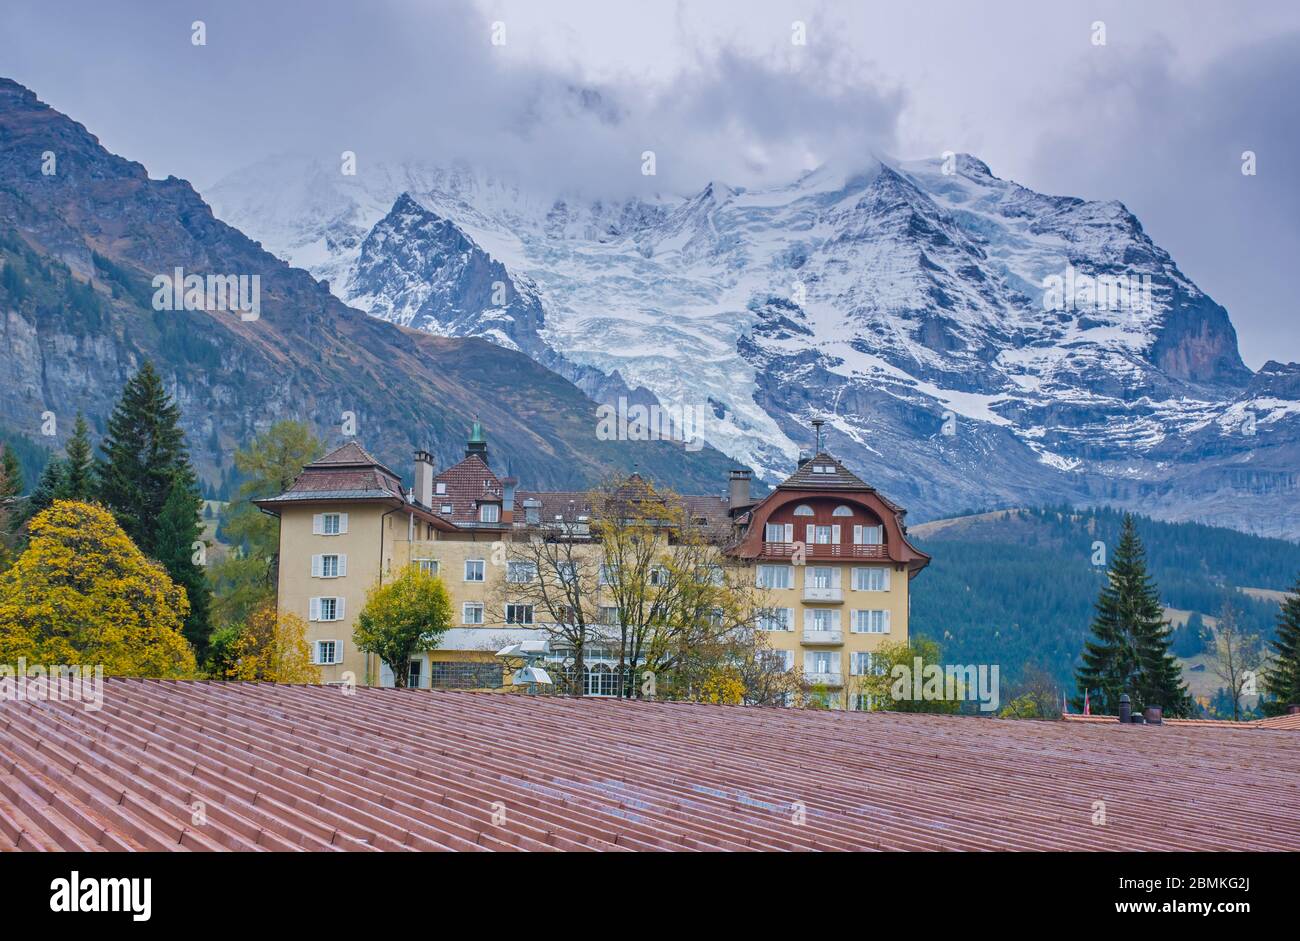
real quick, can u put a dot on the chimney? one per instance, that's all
(1293, 709)
(424, 478)
(1125, 708)
(508, 485)
(804, 457)
(1154, 715)
(739, 495)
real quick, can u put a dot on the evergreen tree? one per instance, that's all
(179, 529)
(1129, 652)
(79, 468)
(48, 488)
(143, 452)
(1282, 678)
(11, 475)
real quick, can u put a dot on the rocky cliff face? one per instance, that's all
(80, 247)
(971, 342)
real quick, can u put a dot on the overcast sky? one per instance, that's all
(1158, 117)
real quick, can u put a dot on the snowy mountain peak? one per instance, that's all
(970, 341)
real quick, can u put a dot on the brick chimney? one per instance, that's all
(424, 478)
(739, 492)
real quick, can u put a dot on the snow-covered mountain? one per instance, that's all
(970, 342)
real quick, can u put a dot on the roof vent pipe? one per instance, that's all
(1125, 708)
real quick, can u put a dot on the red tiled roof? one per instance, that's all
(349, 472)
(308, 767)
(468, 482)
(1276, 722)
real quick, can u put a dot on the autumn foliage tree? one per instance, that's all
(83, 593)
(402, 618)
(272, 646)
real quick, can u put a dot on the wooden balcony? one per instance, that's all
(819, 551)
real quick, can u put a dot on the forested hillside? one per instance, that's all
(1017, 587)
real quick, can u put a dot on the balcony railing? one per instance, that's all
(823, 679)
(823, 550)
(823, 637)
(813, 593)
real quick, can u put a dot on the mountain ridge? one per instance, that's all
(903, 302)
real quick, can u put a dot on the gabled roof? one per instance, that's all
(468, 483)
(839, 477)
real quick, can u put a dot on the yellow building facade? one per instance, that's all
(829, 555)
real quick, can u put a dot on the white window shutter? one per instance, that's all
(808, 623)
(315, 652)
(338, 644)
(338, 608)
(317, 566)
(812, 534)
(835, 533)
(343, 523)
(857, 535)
(317, 523)
(835, 619)
(789, 532)
(885, 621)
(343, 564)
(313, 613)
(835, 577)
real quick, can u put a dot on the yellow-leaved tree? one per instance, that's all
(82, 593)
(273, 647)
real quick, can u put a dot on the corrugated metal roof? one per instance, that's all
(310, 767)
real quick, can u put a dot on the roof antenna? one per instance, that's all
(817, 430)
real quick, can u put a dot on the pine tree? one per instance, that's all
(1129, 652)
(78, 465)
(11, 475)
(142, 453)
(179, 529)
(11, 503)
(1282, 678)
(48, 488)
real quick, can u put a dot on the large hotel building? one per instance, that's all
(830, 553)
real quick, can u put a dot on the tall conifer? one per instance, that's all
(1129, 652)
(1282, 677)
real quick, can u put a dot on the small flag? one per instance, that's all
(1086, 710)
(1065, 705)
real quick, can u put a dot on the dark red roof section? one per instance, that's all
(468, 484)
(313, 768)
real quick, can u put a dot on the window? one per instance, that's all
(329, 566)
(709, 575)
(327, 652)
(868, 535)
(821, 535)
(489, 513)
(532, 515)
(428, 566)
(823, 468)
(821, 576)
(821, 619)
(608, 573)
(775, 576)
(448, 675)
(518, 573)
(860, 663)
(568, 572)
(448, 509)
(821, 661)
(871, 622)
(474, 570)
(803, 509)
(519, 614)
(608, 615)
(413, 674)
(871, 578)
(440, 488)
(777, 661)
(860, 702)
(842, 511)
(325, 609)
(776, 619)
(658, 575)
(778, 532)
(471, 612)
(329, 524)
